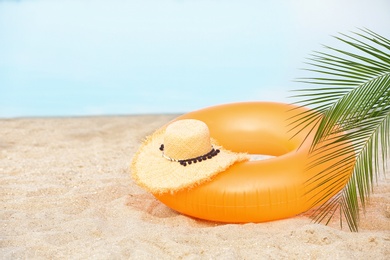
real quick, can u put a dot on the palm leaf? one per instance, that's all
(351, 105)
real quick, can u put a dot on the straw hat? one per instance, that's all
(182, 155)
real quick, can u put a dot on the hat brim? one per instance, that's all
(158, 175)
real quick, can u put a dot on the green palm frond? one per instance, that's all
(352, 102)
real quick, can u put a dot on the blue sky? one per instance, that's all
(72, 58)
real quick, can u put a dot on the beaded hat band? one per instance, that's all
(184, 162)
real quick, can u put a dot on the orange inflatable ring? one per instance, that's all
(254, 191)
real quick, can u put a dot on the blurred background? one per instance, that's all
(83, 58)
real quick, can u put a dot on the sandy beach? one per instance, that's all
(66, 193)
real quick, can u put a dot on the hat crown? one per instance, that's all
(187, 138)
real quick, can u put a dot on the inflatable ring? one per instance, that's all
(255, 191)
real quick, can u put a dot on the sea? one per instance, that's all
(69, 58)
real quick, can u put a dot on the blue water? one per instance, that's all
(72, 58)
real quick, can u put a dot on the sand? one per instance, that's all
(66, 193)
